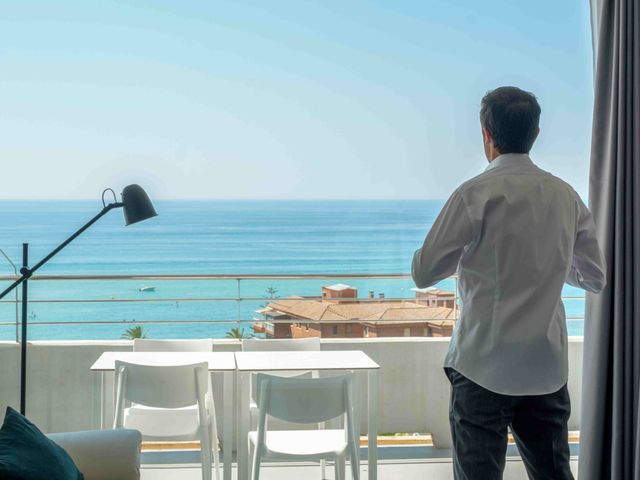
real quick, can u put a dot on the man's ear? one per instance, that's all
(537, 133)
(486, 136)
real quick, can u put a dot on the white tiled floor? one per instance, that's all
(387, 470)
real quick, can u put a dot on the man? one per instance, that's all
(515, 234)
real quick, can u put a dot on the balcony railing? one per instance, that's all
(65, 303)
(64, 395)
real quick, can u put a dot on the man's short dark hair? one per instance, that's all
(511, 115)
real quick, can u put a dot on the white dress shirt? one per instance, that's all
(516, 234)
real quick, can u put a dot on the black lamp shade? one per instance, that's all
(136, 204)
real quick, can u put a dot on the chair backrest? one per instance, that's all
(148, 345)
(304, 400)
(172, 386)
(311, 344)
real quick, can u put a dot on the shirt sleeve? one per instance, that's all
(588, 267)
(439, 256)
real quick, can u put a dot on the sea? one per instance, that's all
(212, 237)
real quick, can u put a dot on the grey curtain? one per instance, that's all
(610, 424)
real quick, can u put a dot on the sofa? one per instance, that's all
(103, 454)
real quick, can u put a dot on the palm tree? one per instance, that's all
(271, 292)
(134, 332)
(271, 296)
(238, 333)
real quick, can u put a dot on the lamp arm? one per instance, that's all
(27, 272)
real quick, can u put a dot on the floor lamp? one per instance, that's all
(137, 207)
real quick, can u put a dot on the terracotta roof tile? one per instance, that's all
(322, 310)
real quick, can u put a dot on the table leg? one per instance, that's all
(372, 397)
(244, 379)
(321, 426)
(359, 377)
(227, 435)
(114, 394)
(103, 414)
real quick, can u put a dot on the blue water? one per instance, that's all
(208, 237)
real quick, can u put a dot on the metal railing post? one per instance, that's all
(15, 271)
(238, 302)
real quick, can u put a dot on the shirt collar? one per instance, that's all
(520, 159)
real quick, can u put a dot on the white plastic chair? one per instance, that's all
(174, 423)
(152, 345)
(171, 423)
(307, 401)
(311, 344)
(278, 345)
(168, 387)
(281, 344)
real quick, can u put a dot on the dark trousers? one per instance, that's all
(479, 419)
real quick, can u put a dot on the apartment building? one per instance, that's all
(339, 313)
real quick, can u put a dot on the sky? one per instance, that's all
(275, 99)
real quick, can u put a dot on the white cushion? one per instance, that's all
(303, 442)
(162, 422)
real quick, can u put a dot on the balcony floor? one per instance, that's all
(407, 463)
(439, 469)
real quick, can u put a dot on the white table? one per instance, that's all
(218, 362)
(253, 362)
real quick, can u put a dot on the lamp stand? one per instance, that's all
(23, 336)
(26, 273)
(137, 207)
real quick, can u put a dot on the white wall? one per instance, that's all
(414, 391)
(63, 395)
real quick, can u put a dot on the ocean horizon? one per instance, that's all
(240, 237)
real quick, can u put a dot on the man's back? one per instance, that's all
(515, 234)
(514, 231)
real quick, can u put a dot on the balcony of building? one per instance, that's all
(413, 392)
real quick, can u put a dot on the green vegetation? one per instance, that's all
(271, 292)
(271, 296)
(134, 332)
(238, 334)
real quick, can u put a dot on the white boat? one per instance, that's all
(147, 289)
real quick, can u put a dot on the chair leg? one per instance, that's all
(205, 453)
(323, 462)
(214, 445)
(339, 467)
(355, 464)
(255, 462)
